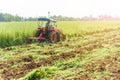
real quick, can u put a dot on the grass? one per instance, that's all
(90, 52)
(16, 33)
(41, 73)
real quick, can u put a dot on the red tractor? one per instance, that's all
(48, 33)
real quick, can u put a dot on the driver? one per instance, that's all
(47, 24)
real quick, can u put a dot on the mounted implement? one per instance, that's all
(48, 33)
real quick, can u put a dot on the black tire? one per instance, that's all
(58, 37)
(37, 33)
(52, 37)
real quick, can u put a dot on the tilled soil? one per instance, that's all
(100, 66)
(101, 39)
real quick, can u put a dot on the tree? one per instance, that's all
(1, 17)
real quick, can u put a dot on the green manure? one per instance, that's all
(16, 33)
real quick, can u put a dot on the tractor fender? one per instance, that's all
(57, 30)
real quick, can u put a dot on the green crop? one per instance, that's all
(16, 33)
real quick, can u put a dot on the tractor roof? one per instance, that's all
(46, 19)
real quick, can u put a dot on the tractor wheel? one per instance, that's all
(58, 37)
(62, 37)
(53, 37)
(37, 33)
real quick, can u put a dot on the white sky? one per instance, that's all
(73, 8)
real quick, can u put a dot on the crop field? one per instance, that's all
(16, 33)
(90, 52)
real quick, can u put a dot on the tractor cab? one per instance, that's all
(46, 25)
(47, 31)
(43, 21)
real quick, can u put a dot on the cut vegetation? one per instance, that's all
(90, 52)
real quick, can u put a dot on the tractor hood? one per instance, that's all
(46, 19)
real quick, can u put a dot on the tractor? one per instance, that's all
(50, 34)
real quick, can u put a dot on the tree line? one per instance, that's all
(9, 17)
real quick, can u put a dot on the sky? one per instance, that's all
(70, 8)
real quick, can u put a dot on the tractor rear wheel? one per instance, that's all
(53, 37)
(58, 37)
